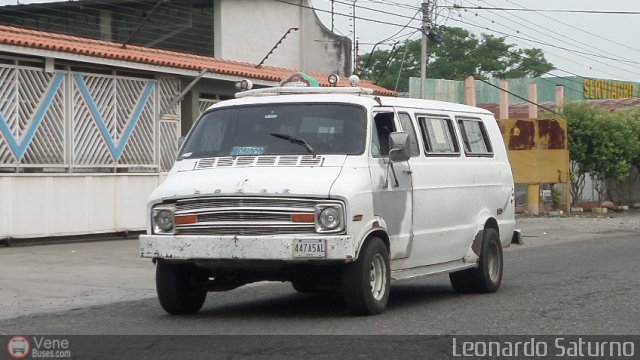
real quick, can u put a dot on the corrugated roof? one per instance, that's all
(43, 40)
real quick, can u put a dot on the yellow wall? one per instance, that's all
(537, 150)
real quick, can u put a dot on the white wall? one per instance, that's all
(246, 30)
(40, 205)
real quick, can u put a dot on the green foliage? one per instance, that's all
(604, 144)
(556, 198)
(459, 55)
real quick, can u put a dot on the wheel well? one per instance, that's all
(382, 235)
(492, 223)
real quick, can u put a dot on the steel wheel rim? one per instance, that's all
(378, 277)
(493, 262)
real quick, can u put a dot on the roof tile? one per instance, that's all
(36, 39)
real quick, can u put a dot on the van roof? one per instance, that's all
(354, 95)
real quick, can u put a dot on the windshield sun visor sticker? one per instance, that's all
(271, 115)
(246, 150)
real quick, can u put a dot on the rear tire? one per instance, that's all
(180, 287)
(367, 281)
(487, 277)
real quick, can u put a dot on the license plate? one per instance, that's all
(307, 248)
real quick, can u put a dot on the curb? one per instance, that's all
(53, 240)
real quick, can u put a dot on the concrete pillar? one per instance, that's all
(559, 97)
(567, 187)
(533, 199)
(504, 100)
(533, 190)
(533, 97)
(106, 33)
(189, 111)
(470, 91)
(217, 29)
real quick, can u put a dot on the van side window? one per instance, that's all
(438, 135)
(474, 136)
(380, 138)
(407, 126)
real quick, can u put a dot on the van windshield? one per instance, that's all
(268, 129)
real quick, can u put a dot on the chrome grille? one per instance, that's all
(245, 215)
(248, 231)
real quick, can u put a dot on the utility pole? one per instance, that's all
(423, 54)
(332, 15)
(355, 41)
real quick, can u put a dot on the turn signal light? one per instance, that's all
(186, 219)
(303, 218)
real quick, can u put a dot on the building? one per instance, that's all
(89, 128)
(245, 30)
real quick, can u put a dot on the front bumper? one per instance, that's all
(186, 247)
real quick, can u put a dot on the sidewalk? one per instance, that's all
(53, 278)
(537, 230)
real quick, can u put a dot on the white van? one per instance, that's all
(331, 189)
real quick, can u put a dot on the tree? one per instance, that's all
(458, 55)
(625, 190)
(602, 143)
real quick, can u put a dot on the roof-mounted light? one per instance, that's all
(244, 85)
(333, 79)
(354, 80)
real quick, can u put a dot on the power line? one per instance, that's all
(371, 9)
(544, 31)
(518, 96)
(546, 10)
(349, 16)
(394, 3)
(595, 55)
(539, 42)
(579, 29)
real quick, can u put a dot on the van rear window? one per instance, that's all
(474, 136)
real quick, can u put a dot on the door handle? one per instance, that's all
(408, 172)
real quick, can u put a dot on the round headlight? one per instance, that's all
(329, 218)
(164, 220)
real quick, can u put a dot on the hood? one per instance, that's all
(257, 180)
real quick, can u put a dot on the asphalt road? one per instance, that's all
(584, 286)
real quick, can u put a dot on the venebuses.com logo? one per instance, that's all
(38, 347)
(18, 347)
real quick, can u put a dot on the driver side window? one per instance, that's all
(383, 126)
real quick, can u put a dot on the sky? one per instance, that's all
(590, 45)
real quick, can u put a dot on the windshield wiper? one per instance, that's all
(297, 141)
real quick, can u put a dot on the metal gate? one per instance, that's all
(82, 122)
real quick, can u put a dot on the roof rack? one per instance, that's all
(304, 90)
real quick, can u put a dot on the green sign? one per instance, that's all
(299, 80)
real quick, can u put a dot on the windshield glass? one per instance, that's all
(268, 129)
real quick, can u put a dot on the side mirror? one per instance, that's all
(399, 145)
(180, 141)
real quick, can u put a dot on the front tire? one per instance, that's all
(487, 277)
(180, 288)
(367, 281)
(303, 286)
